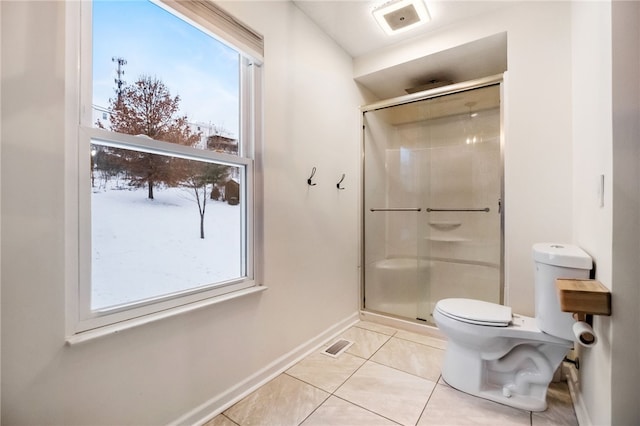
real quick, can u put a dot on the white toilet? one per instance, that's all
(509, 358)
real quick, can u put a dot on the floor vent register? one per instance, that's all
(337, 348)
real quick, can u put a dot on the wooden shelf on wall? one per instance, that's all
(589, 297)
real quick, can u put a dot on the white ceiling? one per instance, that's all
(351, 24)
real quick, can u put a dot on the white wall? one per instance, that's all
(625, 319)
(592, 223)
(538, 132)
(159, 372)
(606, 80)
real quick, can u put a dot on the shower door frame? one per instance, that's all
(494, 80)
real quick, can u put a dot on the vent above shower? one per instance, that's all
(431, 84)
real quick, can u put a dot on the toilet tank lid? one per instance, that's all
(475, 310)
(565, 255)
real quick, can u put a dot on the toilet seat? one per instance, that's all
(476, 312)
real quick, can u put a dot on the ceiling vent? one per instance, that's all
(432, 84)
(401, 15)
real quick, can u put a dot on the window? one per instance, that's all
(167, 217)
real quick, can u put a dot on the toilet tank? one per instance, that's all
(556, 261)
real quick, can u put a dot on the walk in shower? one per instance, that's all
(432, 199)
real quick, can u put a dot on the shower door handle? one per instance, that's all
(398, 209)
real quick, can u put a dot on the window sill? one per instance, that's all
(88, 335)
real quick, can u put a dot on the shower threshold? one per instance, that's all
(415, 326)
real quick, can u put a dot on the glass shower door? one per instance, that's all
(392, 219)
(432, 188)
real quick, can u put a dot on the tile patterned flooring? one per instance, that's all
(387, 377)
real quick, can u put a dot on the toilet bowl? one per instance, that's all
(509, 358)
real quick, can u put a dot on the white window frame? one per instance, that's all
(82, 322)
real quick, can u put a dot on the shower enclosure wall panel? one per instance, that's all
(418, 157)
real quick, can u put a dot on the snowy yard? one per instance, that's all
(146, 248)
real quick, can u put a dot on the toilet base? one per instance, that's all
(520, 378)
(496, 394)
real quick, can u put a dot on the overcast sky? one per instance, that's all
(193, 65)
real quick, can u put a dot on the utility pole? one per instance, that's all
(120, 72)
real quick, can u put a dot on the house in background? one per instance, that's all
(572, 114)
(222, 143)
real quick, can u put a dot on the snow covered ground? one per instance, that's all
(145, 248)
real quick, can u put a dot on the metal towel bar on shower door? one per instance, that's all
(429, 209)
(486, 209)
(398, 209)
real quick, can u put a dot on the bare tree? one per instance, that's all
(146, 107)
(198, 177)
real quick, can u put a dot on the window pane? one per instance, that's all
(162, 225)
(157, 75)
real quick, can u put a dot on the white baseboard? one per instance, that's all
(573, 380)
(221, 402)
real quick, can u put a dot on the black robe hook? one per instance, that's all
(309, 182)
(338, 184)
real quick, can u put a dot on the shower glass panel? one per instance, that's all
(432, 202)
